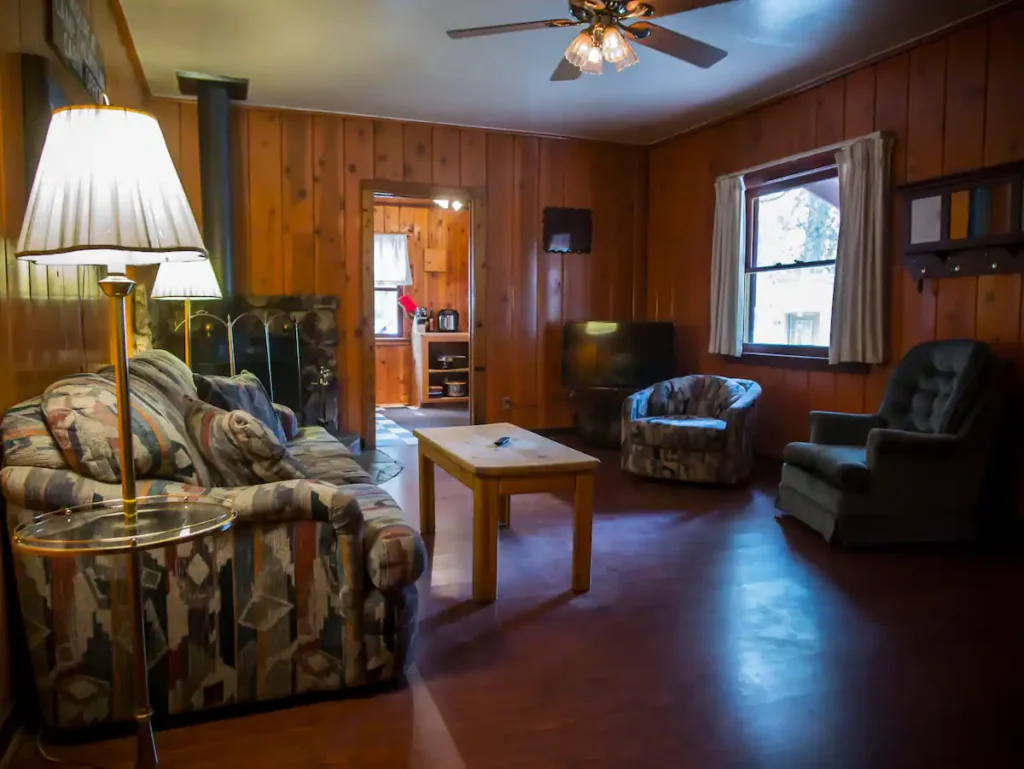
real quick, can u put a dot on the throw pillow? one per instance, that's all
(289, 422)
(81, 413)
(243, 392)
(240, 449)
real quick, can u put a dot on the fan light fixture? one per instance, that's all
(597, 45)
(442, 204)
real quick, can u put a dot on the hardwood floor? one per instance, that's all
(714, 636)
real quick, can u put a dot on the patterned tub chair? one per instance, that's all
(312, 590)
(693, 428)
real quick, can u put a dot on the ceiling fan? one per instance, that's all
(606, 37)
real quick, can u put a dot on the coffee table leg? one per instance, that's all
(505, 506)
(426, 493)
(486, 506)
(583, 524)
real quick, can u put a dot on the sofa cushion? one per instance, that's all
(679, 432)
(244, 392)
(81, 413)
(326, 458)
(843, 466)
(26, 439)
(238, 447)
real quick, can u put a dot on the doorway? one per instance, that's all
(421, 308)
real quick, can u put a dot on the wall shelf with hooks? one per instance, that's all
(965, 224)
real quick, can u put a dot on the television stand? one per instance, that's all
(597, 415)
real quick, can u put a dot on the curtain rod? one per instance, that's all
(802, 155)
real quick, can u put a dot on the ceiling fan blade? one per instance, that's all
(457, 34)
(679, 46)
(565, 71)
(668, 7)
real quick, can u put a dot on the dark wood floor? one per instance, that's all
(715, 635)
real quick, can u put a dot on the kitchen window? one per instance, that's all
(392, 273)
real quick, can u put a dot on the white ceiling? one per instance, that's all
(391, 58)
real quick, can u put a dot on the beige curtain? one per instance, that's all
(858, 319)
(727, 273)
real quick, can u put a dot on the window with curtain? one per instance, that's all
(798, 256)
(391, 274)
(790, 259)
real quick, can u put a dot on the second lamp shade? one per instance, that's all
(186, 280)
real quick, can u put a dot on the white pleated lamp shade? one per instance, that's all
(106, 193)
(178, 281)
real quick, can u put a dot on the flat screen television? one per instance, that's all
(599, 354)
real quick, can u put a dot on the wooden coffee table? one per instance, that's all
(528, 464)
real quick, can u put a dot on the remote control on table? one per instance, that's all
(503, 441)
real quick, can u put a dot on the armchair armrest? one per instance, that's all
(635, 406)
(832, 428)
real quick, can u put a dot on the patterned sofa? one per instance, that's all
(693, 428)
(312, 590)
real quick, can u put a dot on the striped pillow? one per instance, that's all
(81, 413)
(244, 392)
(239, 449)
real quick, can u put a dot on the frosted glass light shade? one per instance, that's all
(178, 281)
(106, 193)
(594, 65)
(616, 50)
(580, 48)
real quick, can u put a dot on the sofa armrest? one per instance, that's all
(394, 551)
(832, 428)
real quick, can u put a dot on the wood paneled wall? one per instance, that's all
(298, 229)
(953, 104)
(53, 321)
(427, 227)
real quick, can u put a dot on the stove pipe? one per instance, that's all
(214, 94)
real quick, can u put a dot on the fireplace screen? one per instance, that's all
(289, 342)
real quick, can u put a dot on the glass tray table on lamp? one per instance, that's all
(117, 526)
(103, 528)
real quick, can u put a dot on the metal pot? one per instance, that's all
(453, 389)
(449, 361)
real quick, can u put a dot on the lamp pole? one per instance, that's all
(118, 288)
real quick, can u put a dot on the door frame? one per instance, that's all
(476, 201)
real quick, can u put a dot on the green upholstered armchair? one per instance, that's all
(913, 472)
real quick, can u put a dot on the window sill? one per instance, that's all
(805, 362)
(390, 341)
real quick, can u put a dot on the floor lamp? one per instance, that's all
(186, 282)
(106, 193)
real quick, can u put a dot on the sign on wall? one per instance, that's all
(72, 37)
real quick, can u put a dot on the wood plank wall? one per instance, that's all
(953, 105)
(53, 321)
(426, 227)
(298, 229)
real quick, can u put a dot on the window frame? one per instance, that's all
(779, 178)
(399, 293)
